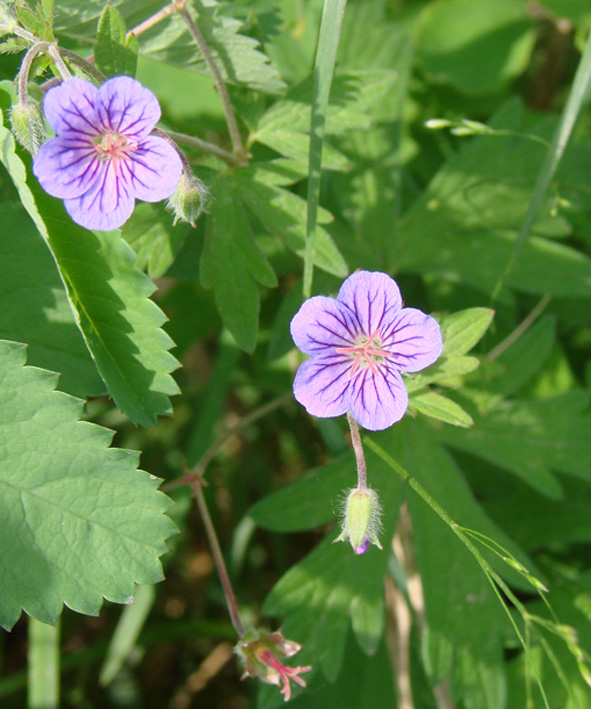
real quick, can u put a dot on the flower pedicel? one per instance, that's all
(103, 157)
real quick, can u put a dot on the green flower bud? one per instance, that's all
(27, 125)
(188, 200)
(361, 521)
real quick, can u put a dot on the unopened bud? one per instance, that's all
(27, 125)
(188, 200)
(361, 521)
(7, 21)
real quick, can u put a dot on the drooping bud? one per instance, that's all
(27, 125)
(361, 522)
(261, 655)
(188, 200)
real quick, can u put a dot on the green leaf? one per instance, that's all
(308, 502)
(449, 32)
(531, 439)
(283, 214)
(440, 408)
(113, 53)
(79, 522)
(155, 240)
(231, 261)
(35, 307)
(478, 200)
(31, 21)
(465, 620)
(523, 359)
(444, 372)
(109, 298)
(237, 56)
(462, 330)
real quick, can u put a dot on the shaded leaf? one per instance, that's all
(79, 522)
(440, 408)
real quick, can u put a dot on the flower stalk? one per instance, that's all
(218, 558)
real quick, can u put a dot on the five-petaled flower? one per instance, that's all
(359, 343)
(103, 156)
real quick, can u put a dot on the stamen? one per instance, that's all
(365, 352)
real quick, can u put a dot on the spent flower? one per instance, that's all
(358, 344)
(261, 654)
(103, 157)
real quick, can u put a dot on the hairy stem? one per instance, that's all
(85, 65)
(237, 146)
(359, 455)
(60, 64)
(157, 17)
(196, 487)
(520, 329)
(205, 146)
(23, 75)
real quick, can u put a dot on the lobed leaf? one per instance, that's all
(79, 522)
(113, 53)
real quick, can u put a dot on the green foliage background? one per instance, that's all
(498, 432)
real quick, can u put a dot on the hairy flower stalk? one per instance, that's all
(358, 344)
(104, 155)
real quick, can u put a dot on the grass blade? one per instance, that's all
(328, 42)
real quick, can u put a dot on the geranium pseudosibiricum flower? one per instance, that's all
(103, 156)
(358, 344)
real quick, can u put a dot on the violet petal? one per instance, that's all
(154, 169)
(374, 298)
(378, 401)
(323, 323)
(70, 108)
(414, 339)
(124, 106)
(322, 385)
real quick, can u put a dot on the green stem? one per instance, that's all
(23, 74)
(328, 43)
(43, 666)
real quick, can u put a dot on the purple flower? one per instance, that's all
(103, 156)
(359, 343)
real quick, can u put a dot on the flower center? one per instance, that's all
(114, 147)
(367, 352)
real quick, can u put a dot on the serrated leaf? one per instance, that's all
(109, 298)
(532, 438)
(45, 10)
(113, 53)
(462, 330)
(283, 213)
(238, 57)
(296, 147)
(79, 522)
(35, 308)
(13, 45)
(441, 408)
(31, 21)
